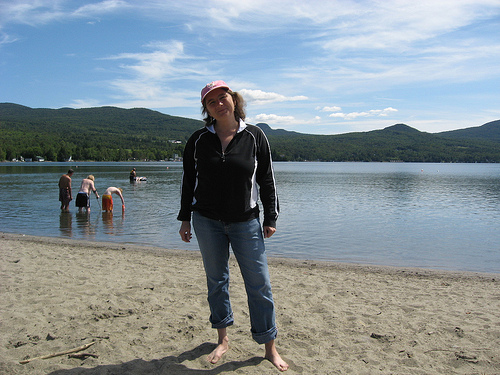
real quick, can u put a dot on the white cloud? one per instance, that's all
(150, 79)
(331, 109)
(370, 113)
(350, 23)
(288, 121)
(135, 88)
(41, 12)
(27, 13)
(274, 119)
(156, 64)
(261, 97)
(6, 39)
(398, 24)
(100, 8)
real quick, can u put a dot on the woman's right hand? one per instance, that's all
(185, 231)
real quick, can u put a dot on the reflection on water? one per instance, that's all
(66, 224)
(442, 216)
(107, 219)
(88, 224)
(84, 225)
(114, 228)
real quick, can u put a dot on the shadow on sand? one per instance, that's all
(171, 365)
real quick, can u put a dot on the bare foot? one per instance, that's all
(273, 356)
(218, 352)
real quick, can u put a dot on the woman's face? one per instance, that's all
(219, 104)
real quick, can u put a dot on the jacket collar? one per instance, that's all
(242, 127)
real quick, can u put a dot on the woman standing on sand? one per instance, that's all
(223, 164)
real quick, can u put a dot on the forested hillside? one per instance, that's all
(115, 134)
(394, 143)
(489, 131)
(104, 133)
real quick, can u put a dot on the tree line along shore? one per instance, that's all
(116, 134)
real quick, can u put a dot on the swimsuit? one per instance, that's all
(64, 196)
(82, 200)
(107, 202)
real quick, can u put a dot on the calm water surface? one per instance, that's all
(440, 216)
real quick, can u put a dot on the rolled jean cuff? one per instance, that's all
(226, 322)
(265, 337)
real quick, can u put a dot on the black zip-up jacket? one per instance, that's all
(225, 185)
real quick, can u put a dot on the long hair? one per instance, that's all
(239, 109)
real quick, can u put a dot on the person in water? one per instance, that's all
(83, 197)
(65, 195)
(133, 175)
(107, 198)
(226, 164)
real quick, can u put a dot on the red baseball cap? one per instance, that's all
(212, 86)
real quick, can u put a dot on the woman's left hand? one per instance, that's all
(185, 231)
(269, 231)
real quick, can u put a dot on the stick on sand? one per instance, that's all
(80, 348)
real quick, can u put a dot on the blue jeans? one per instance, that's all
(247, 243)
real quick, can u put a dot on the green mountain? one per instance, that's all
(399, 142)
(489, 131)
(103, 133)
(115, 134)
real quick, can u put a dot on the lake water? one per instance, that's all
(437, 216)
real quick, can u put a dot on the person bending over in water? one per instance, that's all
(107, 199)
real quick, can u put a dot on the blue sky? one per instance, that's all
(315, 66)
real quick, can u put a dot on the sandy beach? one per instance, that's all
(143, 310)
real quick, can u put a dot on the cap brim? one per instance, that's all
(212, 89)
